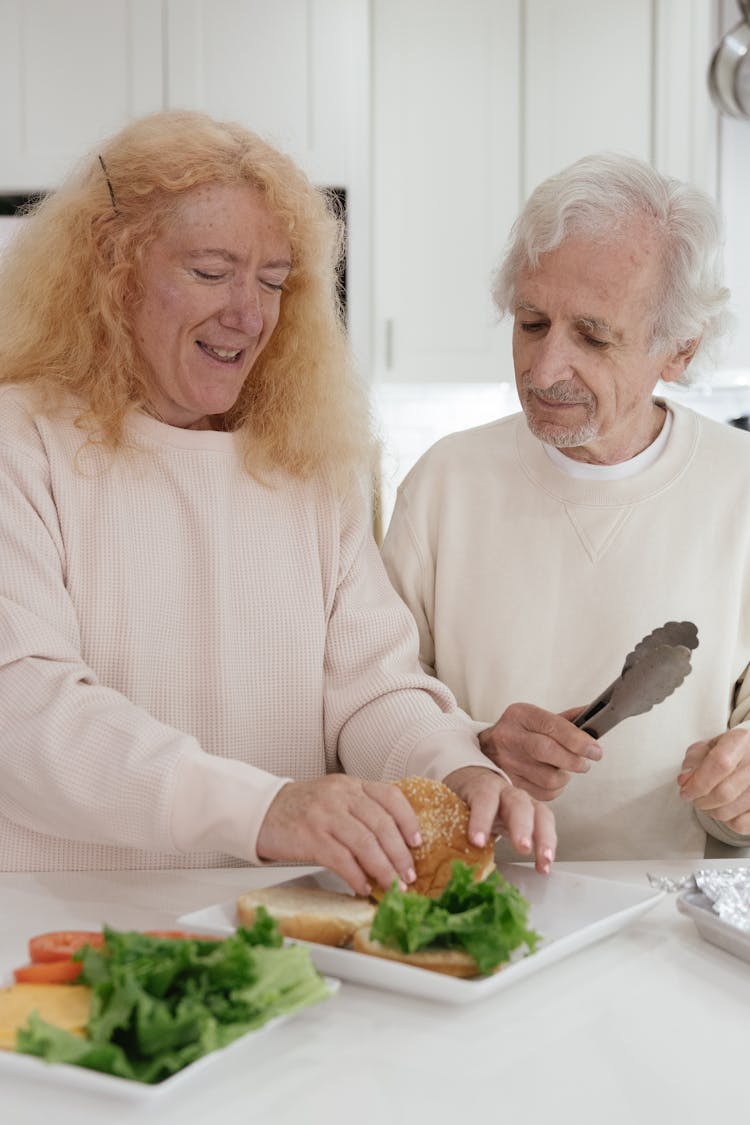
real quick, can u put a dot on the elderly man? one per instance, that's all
(536, 551)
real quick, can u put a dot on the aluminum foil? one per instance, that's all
(728, 891)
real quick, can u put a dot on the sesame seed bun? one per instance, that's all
(444, 822)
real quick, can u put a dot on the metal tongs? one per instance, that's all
(652, 671)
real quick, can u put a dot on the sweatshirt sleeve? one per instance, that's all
(384, 716)
(411, 574)
(79, 760)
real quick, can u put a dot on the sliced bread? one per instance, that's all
(308, 913)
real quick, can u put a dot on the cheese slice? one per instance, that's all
(64, 1005)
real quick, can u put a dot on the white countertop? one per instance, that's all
(649, 1025)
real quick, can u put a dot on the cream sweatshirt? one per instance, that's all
(529, 585)
(177, 640)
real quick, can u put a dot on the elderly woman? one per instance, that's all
(201, 659)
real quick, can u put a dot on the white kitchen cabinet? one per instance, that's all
(294, 70)
(474, 103)
(71, 72)
(298, 73)
(446, 137)
(587, 81)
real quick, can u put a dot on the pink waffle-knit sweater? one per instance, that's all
(178, 639)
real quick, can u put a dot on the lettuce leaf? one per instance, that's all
(158, 1004)
(487, 919)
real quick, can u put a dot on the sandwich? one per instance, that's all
(470, 930)
(310, 913)
(444, 824)
(458, 917)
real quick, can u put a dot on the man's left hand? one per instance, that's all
(715, 777)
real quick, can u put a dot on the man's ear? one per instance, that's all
(675, 365)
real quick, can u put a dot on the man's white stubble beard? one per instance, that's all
(562, 437)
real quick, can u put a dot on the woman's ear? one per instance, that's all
(674, 365)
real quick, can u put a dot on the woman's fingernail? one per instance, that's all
(401, 885)
(410, 875)
(594, 752)
(480, 839)
(417, 840)
(524, 843)
(548, 854)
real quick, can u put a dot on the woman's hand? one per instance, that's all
(501, 809)
(538, 749)
(362, 830)
(715, 777)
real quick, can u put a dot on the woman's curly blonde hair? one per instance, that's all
(71, 279)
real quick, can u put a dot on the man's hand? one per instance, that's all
(715, 777)
(497, 807)
(362, 830)
(538, 749)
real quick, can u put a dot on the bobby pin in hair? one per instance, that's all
(109, 185)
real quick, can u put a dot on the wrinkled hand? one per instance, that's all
(715, 777)
(362, 830)
(497, 807)
(538, 749)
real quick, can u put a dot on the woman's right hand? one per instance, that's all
(362, 830)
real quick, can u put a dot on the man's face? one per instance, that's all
(581, 346)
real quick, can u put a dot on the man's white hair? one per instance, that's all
(595, 198)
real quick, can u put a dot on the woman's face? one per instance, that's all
(212, 285)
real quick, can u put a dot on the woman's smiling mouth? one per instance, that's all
(223, 355)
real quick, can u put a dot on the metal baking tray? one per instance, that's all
(713, 928)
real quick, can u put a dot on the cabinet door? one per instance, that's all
(588, 80)
(298, 73)
(446, 184)
(70, 74)
(294, 71)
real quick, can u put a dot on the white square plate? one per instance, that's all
(570, 911)
(65, 1075)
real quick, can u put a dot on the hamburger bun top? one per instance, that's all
(444, 822)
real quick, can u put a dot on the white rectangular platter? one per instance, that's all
(570, 911)
(63, 1075)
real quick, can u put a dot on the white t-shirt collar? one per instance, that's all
(583, 470)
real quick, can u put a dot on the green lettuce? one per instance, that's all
(487, 919)
(158, 1004)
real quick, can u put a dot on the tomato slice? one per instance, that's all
(48, 972)
(60, 945)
